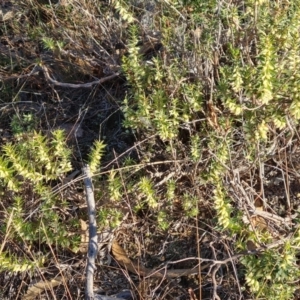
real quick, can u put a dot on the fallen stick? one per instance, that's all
(93, 238)
(78, 85)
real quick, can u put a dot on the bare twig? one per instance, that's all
(34, 71)
(215, 284)
(192, 294)
(79, 85)
(93, 239)
(199, 253)
(285, 221)
(234, 268)
(101, 297)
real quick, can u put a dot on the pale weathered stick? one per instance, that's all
(100, 297)
(78, 85)
(93, 240)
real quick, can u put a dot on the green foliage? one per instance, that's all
(272, 78)
(171, 186)
(190, 205)
(222, 207)
(252, 96)
(13, 264)
(124, 10)
(162, 220)
(51, 44)
(96, 155)
(271, 275)
(151, 105)
(35, 158)
(148, 192)
(114, 186)
(195, 148)
(23, 123)
(219, 92)
(219, 148)
(109, 217)
(25, 231)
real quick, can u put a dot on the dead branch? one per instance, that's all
(93, 238)
(79, 85)
(100, 297)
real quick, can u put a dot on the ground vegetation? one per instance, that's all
(187, 113)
